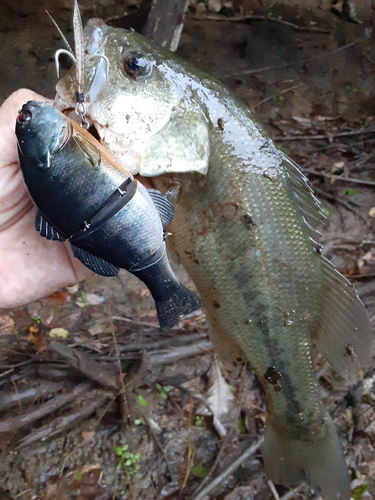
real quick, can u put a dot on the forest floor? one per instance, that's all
(95, 402)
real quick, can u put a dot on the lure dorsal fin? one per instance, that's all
(46, 229)
(163, 206)
(90, 150)
(345, 337)
(96, 264)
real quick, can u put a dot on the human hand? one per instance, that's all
(31, 267)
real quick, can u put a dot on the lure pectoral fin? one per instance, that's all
(96, 264)
(46, 229)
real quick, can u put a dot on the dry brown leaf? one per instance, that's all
(58, 298)
(219, 396)
(7, 325)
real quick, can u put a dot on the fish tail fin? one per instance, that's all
(181, 301)
(345, 336)
(318, 461)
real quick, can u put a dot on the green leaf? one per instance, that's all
(158, 387)
(280, 98)
(137, 421)
(163, 395)
(242, 426)
(128, 462)
(355, 90)
(350, 192)
(142, 400)
(199, 471)
(84, 298)
(325, 211)
(166, 389)
(119, 451)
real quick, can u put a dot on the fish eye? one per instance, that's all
(137, 65)
(24, 117)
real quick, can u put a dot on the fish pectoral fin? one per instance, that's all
(94, 263)
(182, 145)
(345, 336)
(163, 205)
(46, 229)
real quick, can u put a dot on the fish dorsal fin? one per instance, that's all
(46, 229)
(94, 263)
(90, 150)
(163, 205)
(309, 205)
(345, 336)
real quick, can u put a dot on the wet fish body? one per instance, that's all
(245, 229)
(111, 220)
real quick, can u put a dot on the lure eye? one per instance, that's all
(24, 117)
(137, 65)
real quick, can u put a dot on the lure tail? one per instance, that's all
(319, 461)
(182, 301)
(172, 299)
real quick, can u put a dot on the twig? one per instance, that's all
(256, 17)
(159, 344)
(293, 65)
(341, 178)
(88, 367)
(273, 490)
(14, 423)
(177, 354)
(285, 91)
(291, 494)
(135, 322)
(319, 137)
(229, 470)
(62, 424)
(47, 392)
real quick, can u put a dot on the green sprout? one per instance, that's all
(325, 211)
(350, 192)
(84, 298)
(163, 391)
(127, 460)
(37, 319)
(199, 471)
(198, 420)
(141, 400)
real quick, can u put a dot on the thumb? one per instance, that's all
(8, 114)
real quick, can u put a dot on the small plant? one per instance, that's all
(198, 420)
(127, 460)
(163, 391)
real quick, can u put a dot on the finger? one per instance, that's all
(8, 114)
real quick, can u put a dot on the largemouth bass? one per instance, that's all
(245, 229)
(111, 220)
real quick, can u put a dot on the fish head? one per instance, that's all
(136, 99)
(41, 131)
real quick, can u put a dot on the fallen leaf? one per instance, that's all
(219, 396)
(372, 212)
(58, 298)
(88, 435)
(58, 333)
(94, 300)
(6, 325)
